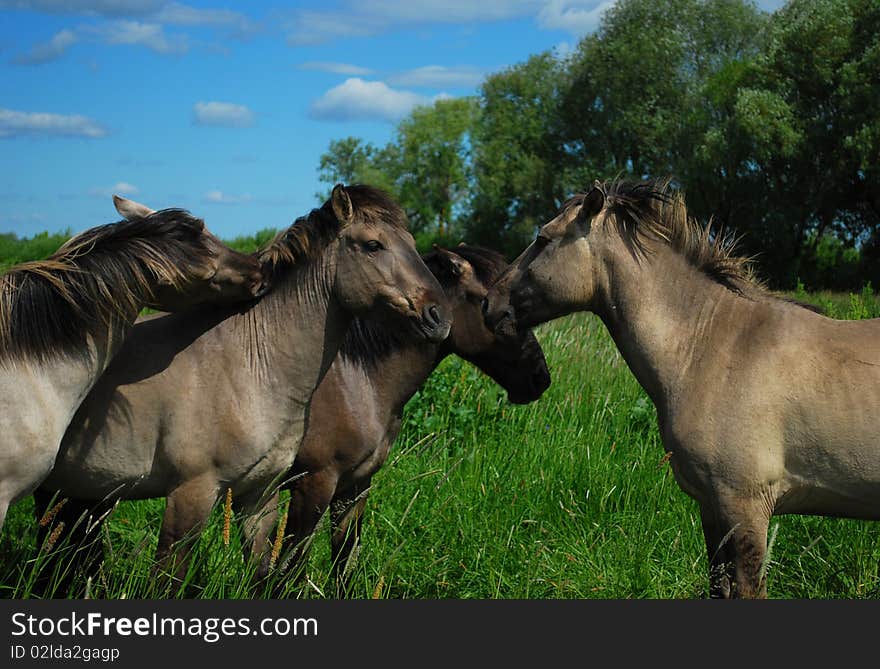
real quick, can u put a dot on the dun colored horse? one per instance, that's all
(64, 318)
(200, 403)
(764, 407)
(357, 410)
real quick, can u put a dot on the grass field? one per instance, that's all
(569, 497)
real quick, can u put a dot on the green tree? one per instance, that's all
(430, 164)
(654, 93)
(822, 60)
(351, 160)
(521, 172)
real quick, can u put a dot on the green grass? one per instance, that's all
(568, 497)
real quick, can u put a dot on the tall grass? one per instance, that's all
(568, 497)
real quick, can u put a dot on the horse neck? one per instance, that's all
(293, 334)
(661, 313)
(399, 375)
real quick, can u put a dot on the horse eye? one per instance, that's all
(372, 246)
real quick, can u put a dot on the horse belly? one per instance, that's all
(112, 453)
(832, 453)
(107, 469)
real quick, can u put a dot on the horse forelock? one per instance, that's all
(98, 278)
(648, 212)
(373, 206)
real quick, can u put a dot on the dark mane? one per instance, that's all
(309, 235)
(96, 280)
(650, 211)
(367, 343)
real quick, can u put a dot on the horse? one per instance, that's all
(63, 319)
(764, 407)
(357, 409)
(205, 403)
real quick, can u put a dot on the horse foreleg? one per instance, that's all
(718, 553)
(744, 522)
(187, 509)
(347, 513)
(259, 519)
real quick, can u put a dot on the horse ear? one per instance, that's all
(341, 203)
(129, 209)
(593, 202)
(452, 262)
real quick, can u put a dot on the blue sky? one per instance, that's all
(225, 108)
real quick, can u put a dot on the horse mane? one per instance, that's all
(651, 211)
(96, 280)
(367, 343)
(309, 235)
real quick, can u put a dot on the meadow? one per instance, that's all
(569, 497)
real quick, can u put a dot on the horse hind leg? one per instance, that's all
(74, 526)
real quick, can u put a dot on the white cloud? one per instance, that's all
(120, 188)
(222, 114)
(132, 22)
(219, 197)
(310, 27)
(47, 51)
(17, 123)
(138, 33)
(183, 15)
(356, 99)
(446, 11)
(335, 68)
(87, 7)
(439, 76)
(577, 17)
(363, 18)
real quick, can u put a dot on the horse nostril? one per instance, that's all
(434, 315)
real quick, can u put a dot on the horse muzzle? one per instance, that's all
(433, 324)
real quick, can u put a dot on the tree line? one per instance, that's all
(769, 124)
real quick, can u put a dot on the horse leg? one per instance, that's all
(187, 509)
(75, 527)
(259, 518)
(310, 495)
(746, 521)
(347, 513)
(718, 553)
